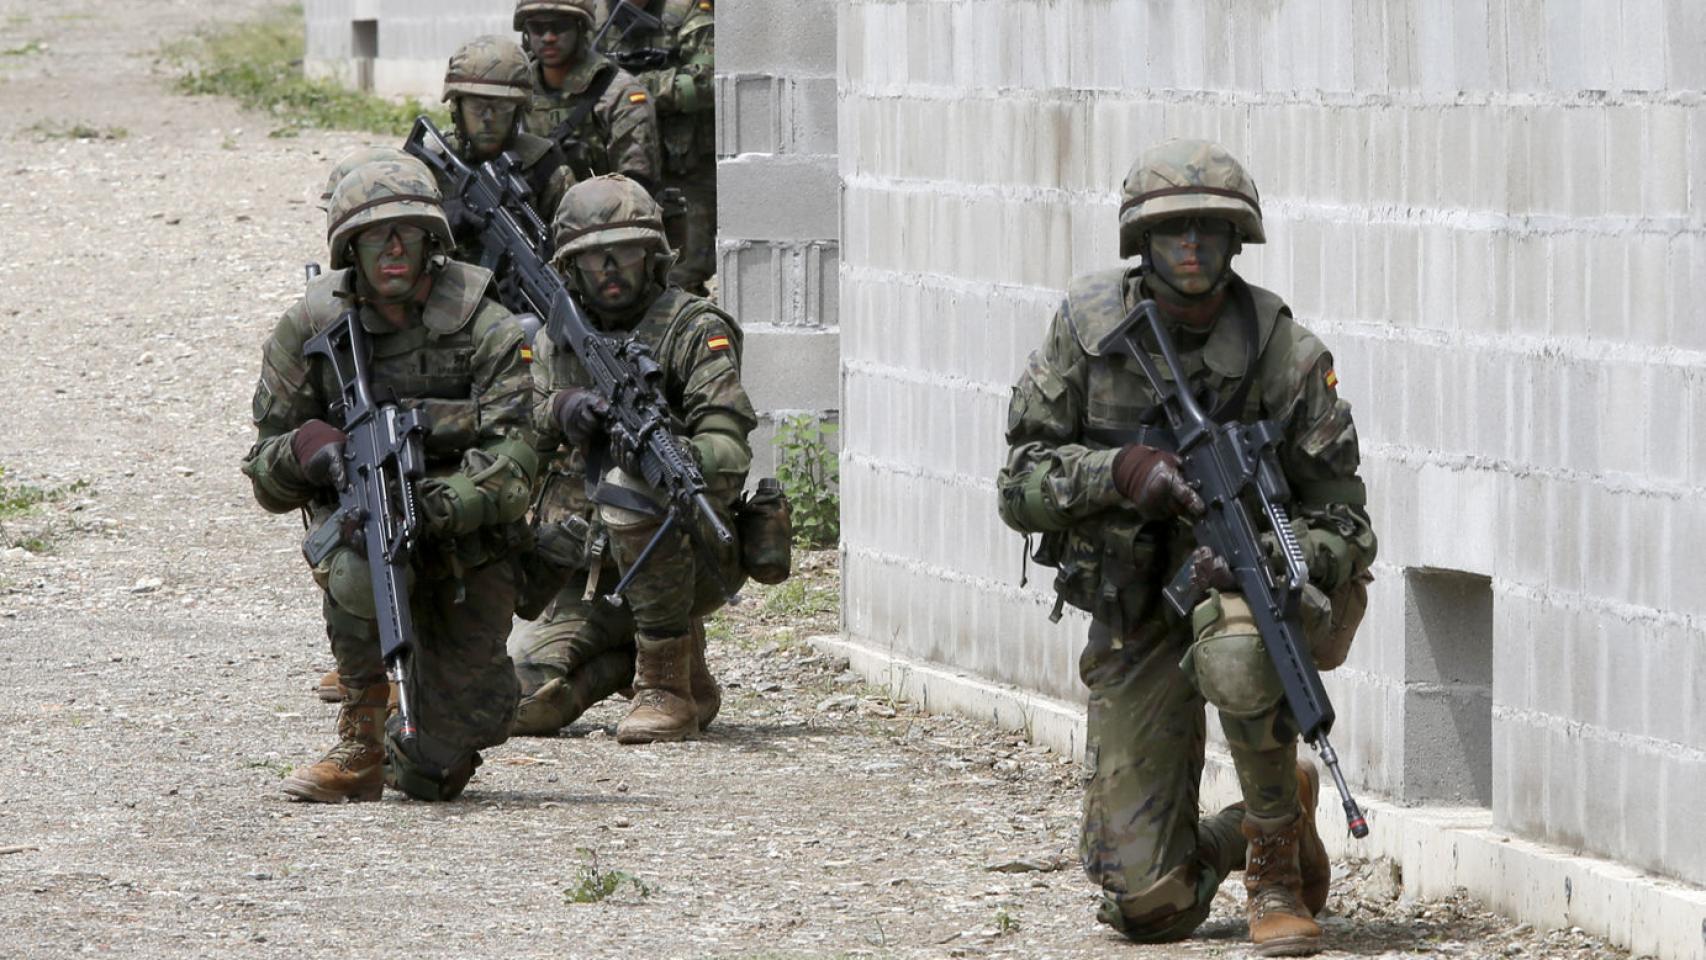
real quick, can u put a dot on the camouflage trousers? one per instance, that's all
(461, 684)
(697, 243)
(1143, 842)
(590, 643)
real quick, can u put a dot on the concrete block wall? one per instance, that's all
(1490, 209)
(414, 39)
(779, 204)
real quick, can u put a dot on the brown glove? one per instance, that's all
(1152, 481)
(1209, 569)
(319, 450)
(581, 413)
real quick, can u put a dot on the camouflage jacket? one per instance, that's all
(462, 365)
(618, 135)
(699, 348)
(543, 167)
(1058, 480)
(684, 87)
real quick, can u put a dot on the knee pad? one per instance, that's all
(345, 577)
(1228, 662)
(429, 769)
(1165, 912)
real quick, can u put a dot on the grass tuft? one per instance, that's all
(258, 63)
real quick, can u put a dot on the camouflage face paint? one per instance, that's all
(486, 123)
(1191, 254)
(391, 257)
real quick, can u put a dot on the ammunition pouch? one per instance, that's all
(1111, 574)
(674, 204)
(1349, 603)
(764, 525)
(559, 551)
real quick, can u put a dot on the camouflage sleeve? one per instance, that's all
(285, 398)
(1052, 480)
(627, 111)
(547, 435)
(494, 483)
(715, 412)
(1320, 460)
(689, 86)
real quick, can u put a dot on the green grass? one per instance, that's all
(258, 63)
(32, 47)
(799, 597)
(596, 884)
(48, 130)
(19, 500)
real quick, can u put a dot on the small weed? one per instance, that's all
(282, 769)
(809, 470)
(19, 500)
(800, 598)
(1005, 923)
(32, 47)
(259, 64)
(33, 544)
(596, 884)
(48, 130)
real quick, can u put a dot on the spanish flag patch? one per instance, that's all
(1332, 380)
(718, 342)
(705, 5)
(637, 97)
(526, 353)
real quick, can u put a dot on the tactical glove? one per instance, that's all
(1152, 481)
(319, 450)
(1210, 570)
(580, 413)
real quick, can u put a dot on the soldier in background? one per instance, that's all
(443, 347)
(597, 112)
(677, 64)
(1085, 470)
(488, 84)
(615, 260)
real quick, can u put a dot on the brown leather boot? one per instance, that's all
(707, 694)
(330, 688)
(1280, 925)
(663, 692)
(355, 768)
(560, 701)
(1312, 863)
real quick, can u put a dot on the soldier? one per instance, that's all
(599, 114)
(487, 85)
(440, 346)
(614, 258)
(677, 64)
(1113, 514)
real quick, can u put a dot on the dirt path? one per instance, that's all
(158, 656)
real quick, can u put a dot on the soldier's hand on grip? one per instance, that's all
(1152, 481)
(319, 450)
(1210, 570)
(581, 413)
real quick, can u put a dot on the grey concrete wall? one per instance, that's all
(1490, 209)
(779, 203)
(779, 252)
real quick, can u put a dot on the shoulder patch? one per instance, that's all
(705, 5)
(1332, 379)
(718, 341)
(638, 96)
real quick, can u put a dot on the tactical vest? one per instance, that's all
(689, 138)
(571, 120)
(1114, 565)
(540, 159)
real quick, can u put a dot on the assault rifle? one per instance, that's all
(628, 18)
(1235, 469)
(377, 515)
(624, 372)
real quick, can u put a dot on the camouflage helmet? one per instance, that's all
(603, 212)
(385, 191)
(491, 67)
(355, 158)
(1184, 178)
(581, 10)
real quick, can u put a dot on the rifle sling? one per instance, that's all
(610, 495)
(601, 81)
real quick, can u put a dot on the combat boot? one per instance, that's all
(707, 694)
(1280, 925)
(355, 768)
(1312, 863)
(331, 687)
(560, 701)
(663, 692)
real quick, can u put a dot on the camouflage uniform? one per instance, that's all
(1149, 673)
(590, 645)
(461, 363)
(684, 92)
(496, 69)
(619, 133)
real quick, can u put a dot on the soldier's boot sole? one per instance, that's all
(1290, 947)
(309, 791)
(648, 724)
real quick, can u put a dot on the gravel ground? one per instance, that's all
(159, 652)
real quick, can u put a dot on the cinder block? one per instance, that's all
(782, 284)
(778, 37)
(791, 368)
(1448, 747)
(1685, 34)
(778, 198)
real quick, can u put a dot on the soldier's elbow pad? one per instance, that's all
(686, 93)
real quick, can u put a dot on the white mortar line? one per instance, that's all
(1458, 462)
(1573, 99)
(1578, 602)
(924, 378)
(1668, 750)
(965, 481)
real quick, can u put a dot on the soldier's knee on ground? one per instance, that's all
(1228, 662)
(428, 768)
(1166, 911)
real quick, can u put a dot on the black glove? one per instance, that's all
(319, 450)
(1152, 481)
(1209, 569)
(581, 413)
